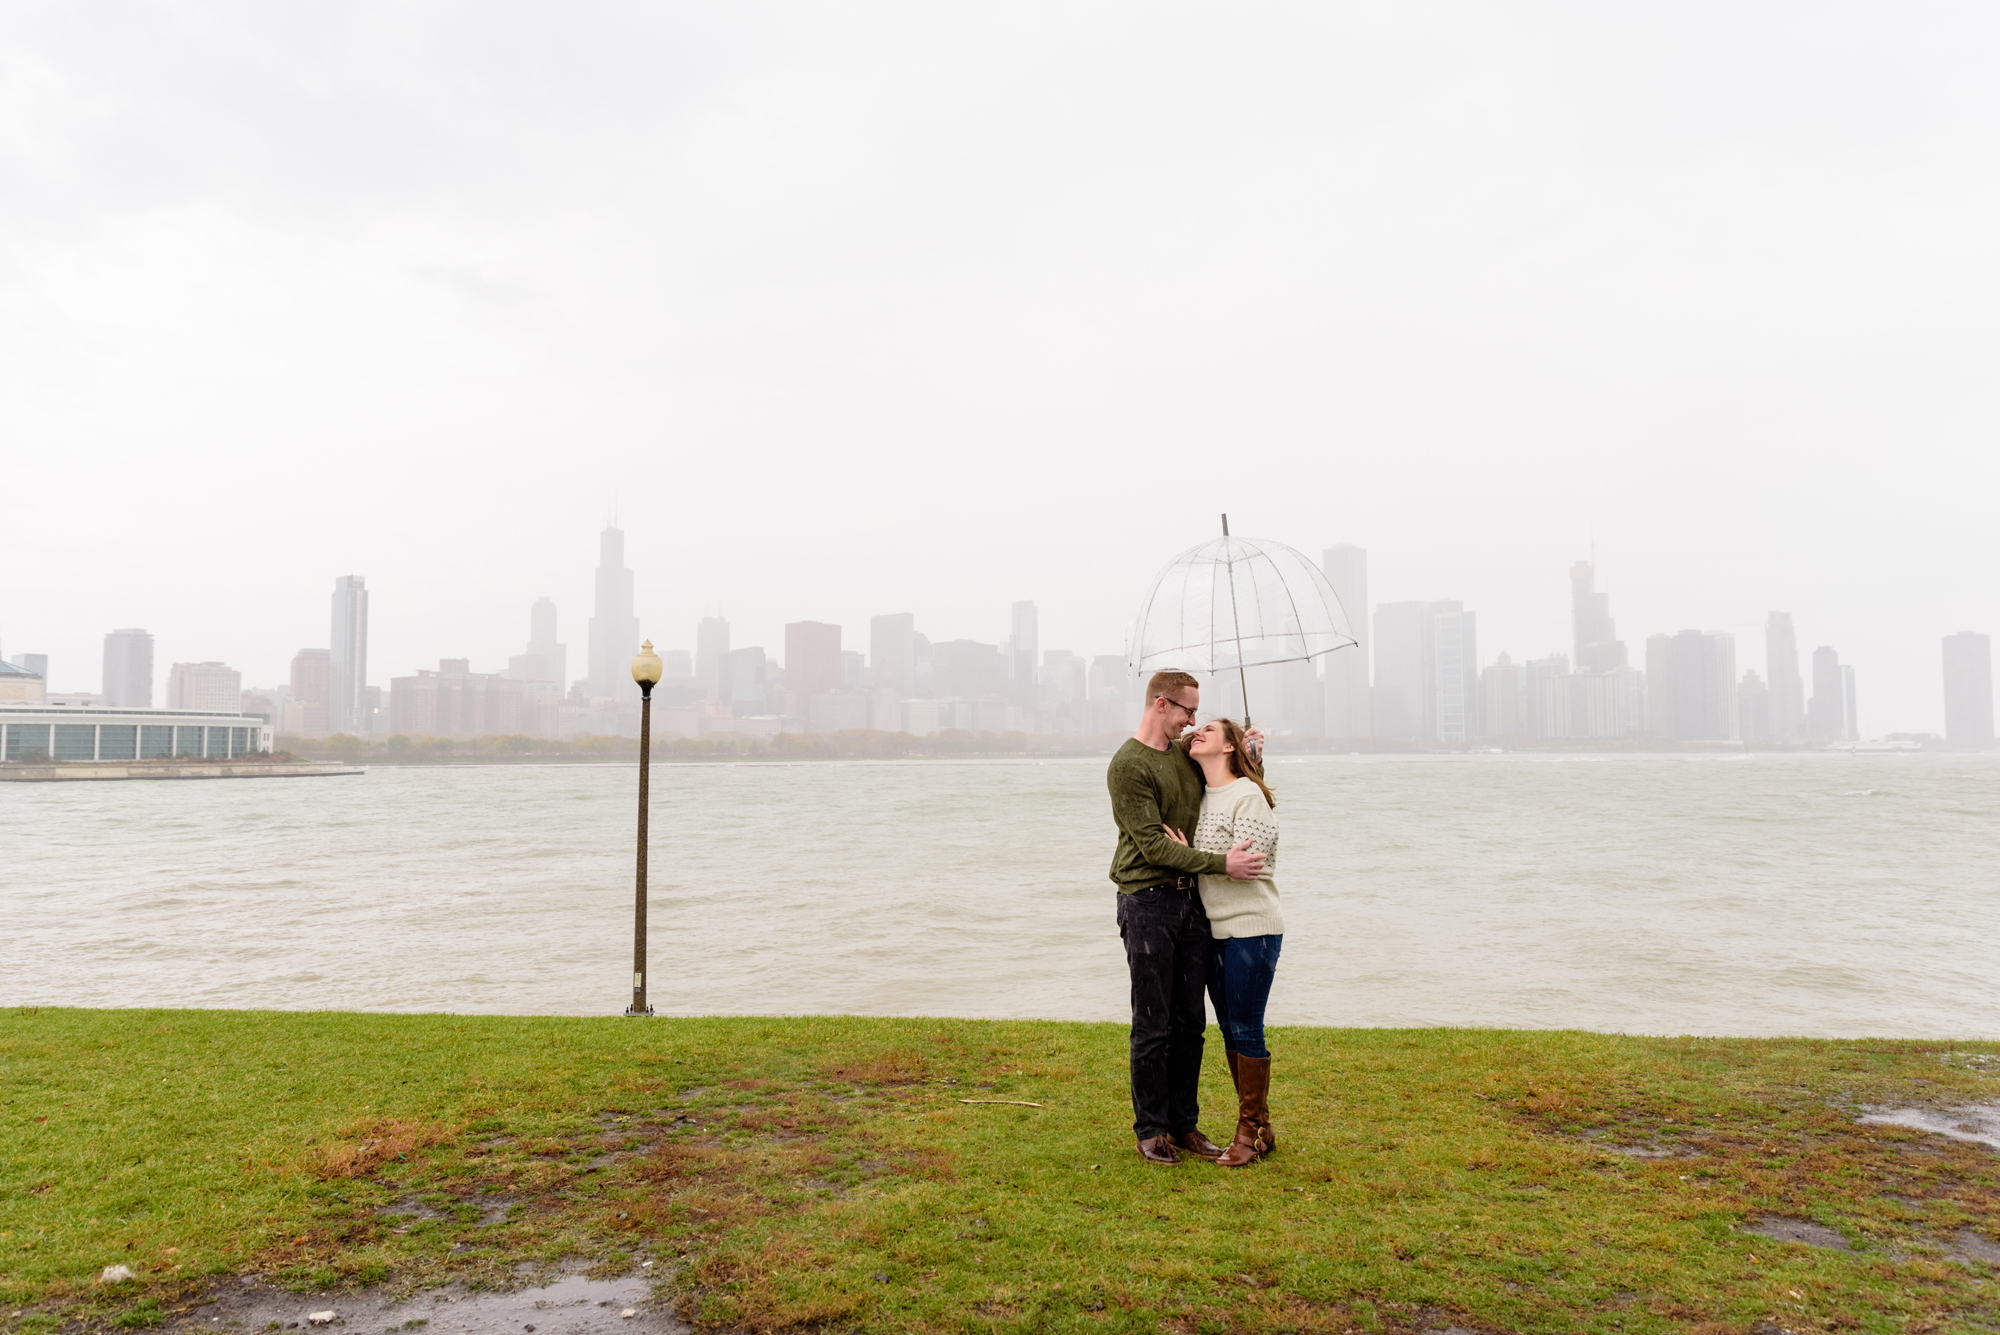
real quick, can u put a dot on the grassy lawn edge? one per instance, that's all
(829, 1172)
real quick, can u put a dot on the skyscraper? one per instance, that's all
(741, 683)
(1302, 696)
(1455, 672)
(545, 659)
(1349, 709)
(1968, 691)
(1691, 686)
(1502, 685)
(347, 658)
(1402, 657)
(210, 688)
(1111, 689)
(967, 669)
(1753, 708)
(311, 682)
(892, 653)
(1024, 652)
(1659, 684)
(614, 631)
(711, 647)
(307, 692)
(1828, 713)
(1062, 679)
(1426, 672)
(1787, 700)
(128, 669)
(812, 661)
(1598, 648)
(1544, 701)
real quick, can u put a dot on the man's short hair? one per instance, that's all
(1164, 683)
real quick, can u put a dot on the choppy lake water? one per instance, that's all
(1813, 894)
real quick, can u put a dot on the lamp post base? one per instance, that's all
(643, 1014)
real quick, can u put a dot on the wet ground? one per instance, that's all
(571, 1305)
(1975, 1122)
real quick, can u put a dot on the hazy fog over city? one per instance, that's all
(854, 311)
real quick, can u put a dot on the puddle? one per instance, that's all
(1978, 1123)
(407, 1209)
(572, 1305)
(492, 1210)
(1639, 1151)
(1971, 1247)
(1798, 1230)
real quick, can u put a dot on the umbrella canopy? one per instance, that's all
(1236, 603)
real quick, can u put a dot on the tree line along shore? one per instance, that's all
(843, 1173)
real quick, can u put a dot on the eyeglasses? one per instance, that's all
(1189, 710)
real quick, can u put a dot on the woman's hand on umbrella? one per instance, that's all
(1175, 835)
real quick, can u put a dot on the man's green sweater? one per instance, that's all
(1149, 788)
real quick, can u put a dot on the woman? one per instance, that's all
(1245, 921)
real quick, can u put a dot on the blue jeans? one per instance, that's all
(1240, 970)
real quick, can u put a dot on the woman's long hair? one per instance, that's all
(1240, 762)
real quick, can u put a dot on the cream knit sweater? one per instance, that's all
(1228, 817)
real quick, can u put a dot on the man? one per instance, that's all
(1154, 784)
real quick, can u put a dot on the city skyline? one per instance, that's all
(1420, 668)
(1904, 693)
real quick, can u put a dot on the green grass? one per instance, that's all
(824, 1172)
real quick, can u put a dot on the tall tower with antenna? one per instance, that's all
(614, 630)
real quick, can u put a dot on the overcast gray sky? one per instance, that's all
(932, 307)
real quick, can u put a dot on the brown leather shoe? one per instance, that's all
(1196, 1143)
(1253, 1113)
(1159, 1149)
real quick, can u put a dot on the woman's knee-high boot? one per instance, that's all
(1270, 1136)
(1253, 1114)
(1264, 1131)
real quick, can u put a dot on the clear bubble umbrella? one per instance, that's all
(1236, 603)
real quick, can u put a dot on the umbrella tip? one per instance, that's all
(1225, 526)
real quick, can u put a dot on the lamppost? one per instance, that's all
(646, 668)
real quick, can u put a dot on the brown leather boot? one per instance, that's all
(1253, 1114)
(1264, 1112)
(1196, 1143)
(1264, 1130)
(1270, 1136)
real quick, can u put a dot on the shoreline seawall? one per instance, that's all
(99, 772)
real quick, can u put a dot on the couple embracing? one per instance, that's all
(1196, 912)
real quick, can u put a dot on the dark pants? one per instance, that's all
(1239, 983)
(1166, 946)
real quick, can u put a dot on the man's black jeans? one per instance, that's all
(1166, 946)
